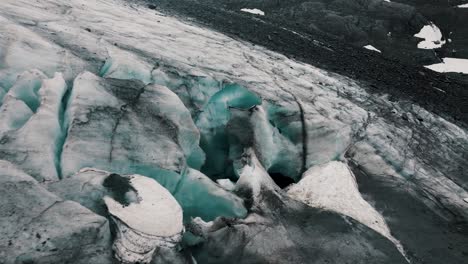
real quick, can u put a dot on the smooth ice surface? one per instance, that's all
(432, 37)
(254, 11)
(450, 65)
(370, 47)
(156, 212)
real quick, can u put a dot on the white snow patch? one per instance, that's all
(432, 37)
(463, 6)
(254, 11)
(450, 65)
(370, 47)
(466, 200)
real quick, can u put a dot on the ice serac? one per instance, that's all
(212, 123)
(39, 227)
(279, 229)
(31, 137)
(125, 126)
(151, 218)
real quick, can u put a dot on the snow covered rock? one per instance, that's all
(39, 227)
(152, 219)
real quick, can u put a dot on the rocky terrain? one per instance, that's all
(193, 132)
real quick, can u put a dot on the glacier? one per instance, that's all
(94, 89)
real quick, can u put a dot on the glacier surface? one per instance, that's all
(90, 89)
